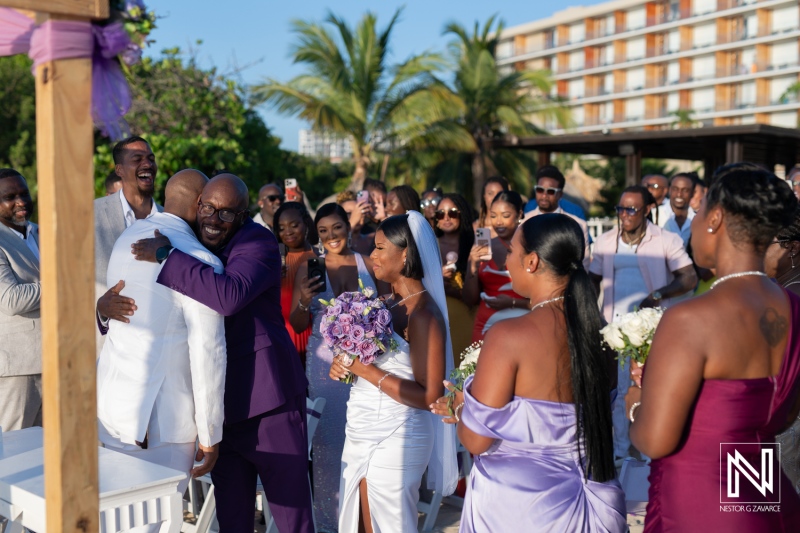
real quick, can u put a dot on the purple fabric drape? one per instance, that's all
(62, 39)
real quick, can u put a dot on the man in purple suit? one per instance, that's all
(265, 406)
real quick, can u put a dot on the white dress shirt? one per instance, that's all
(127, 210)
(29, 241)
(170, 358)
(258, 219)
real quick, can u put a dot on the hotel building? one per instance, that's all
(630, 65)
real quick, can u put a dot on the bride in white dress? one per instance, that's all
(391, 436)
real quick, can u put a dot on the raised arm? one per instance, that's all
(16, 298)
(253, 267)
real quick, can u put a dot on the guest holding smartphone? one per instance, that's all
(488, 282)
(297, 234)
(344, 269)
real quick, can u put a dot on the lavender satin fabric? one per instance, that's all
(64, 39)
(531, 479)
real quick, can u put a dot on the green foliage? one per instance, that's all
(18, 118)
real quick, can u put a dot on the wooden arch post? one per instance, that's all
(64, 147)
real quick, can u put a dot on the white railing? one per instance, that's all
(600, 225)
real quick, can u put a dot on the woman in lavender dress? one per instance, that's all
(537, 413)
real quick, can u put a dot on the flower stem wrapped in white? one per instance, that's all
(631, 335)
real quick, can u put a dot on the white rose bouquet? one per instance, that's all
(469, 361)
(632, 334)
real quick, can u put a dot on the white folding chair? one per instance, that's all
(208, 514)
(633, 478)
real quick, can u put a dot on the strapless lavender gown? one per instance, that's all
(531, 479)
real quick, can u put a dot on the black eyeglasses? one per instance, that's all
(453, 213)
(429, 202)
(225, 215)
(273, 197)
(654, 186)
(630, 211)
(550, 191)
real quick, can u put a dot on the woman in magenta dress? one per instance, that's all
(724, 368)
(487, 284)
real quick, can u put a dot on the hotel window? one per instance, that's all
(747, 94)
(578, 115)
(554, 64)
(608, 84)
(783, 54)
(576, 60)
(634, 79)
(635, 19)
(607, 112)
(701, 7)
(748, 60)
(576, 89)
(703, 100)
(785, 120)
(673, 72)
(778, 86)
(634, 109)
(610, 25)
(608, 55)
(785, 19)
(635, 49)
(577, 33)
(673, 102)
(705, 35)
(673, 41)
(505, 49)
(704, 67)
(751, 26)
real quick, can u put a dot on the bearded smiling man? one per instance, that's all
(135, 164)
(20, 292)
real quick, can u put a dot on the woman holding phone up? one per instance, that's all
(343, 270)
(488, 282)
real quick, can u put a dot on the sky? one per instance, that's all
(251, 39)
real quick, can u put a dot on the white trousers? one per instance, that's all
(178, 456)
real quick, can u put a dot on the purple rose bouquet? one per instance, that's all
(357, 325)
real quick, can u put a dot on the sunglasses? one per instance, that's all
(454, 213)
(225, 215)
(795, 183)
(654, 186)
(549, 191)
(630, 211)
(429, 202)
(272, 197)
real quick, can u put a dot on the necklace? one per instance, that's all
(407, 297)
(551, 300)
(737, 275)
(635, 241)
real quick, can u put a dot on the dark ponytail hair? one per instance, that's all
(398, 232)
(332, 209)
(558, 241)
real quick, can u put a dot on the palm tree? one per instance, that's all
(350, 89)
(488, 103)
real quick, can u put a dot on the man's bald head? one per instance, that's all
(230, 187)
(225, 196)
(182, 192)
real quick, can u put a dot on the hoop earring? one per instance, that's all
(320, 248)
(792, 258)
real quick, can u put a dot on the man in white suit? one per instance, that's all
(161, 375)
(20, 292)
(135, 164)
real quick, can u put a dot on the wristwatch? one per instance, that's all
(163, 252)
(656, 295)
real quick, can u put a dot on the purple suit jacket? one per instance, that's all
(264, 370)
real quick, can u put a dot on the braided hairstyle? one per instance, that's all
(757, 203)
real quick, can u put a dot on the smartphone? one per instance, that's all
(316, 267)
(363, 196)
(290, 186)
(282, 250)
(483, 237)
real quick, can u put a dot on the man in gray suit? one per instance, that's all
(135, 164)
(20, 292)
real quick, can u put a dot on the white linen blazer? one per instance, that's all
(172, 354)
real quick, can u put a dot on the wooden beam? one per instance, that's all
(633, 168)
(93, 9)
(64, 146)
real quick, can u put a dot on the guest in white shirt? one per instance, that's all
(270, 198)
(681, 190)
(20, 294)
(549, 189)
(161, 374)
(658, 186)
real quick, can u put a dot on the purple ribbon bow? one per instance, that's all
(63, 39)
